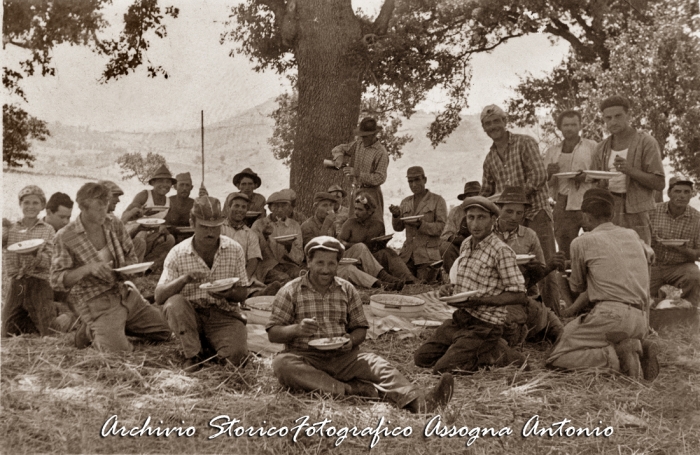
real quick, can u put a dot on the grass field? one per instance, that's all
(56, 398)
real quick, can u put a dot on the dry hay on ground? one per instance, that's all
(57, 398)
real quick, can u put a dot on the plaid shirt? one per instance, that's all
(663, 225)
(338, 311)
(229, 262)
(523, 166)
(370, 163)
(489, 267)
(36, 265)
(73, 249)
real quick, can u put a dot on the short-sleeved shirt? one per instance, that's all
(229, 262)
(22, 263)
(611, 263)
(579, 159)
(246, 238)
(490, 268)
(523, 240)
(663, 225)
(277, 250)
(338, 311)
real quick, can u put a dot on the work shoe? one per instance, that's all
(505, 355)
(441, 393)
(383, 275)
(192, 364)
(83, 337)
(649, 359)
(361, 389)
(628, 352)
(392, 286)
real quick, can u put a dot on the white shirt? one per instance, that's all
(617, 184)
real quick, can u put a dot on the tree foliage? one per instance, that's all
(18, 128)
(135, 165)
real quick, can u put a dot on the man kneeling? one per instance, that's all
(193, 312)
(319, 305)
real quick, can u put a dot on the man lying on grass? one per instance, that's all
(320, 305)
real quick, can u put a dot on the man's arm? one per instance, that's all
(378, 176)
(134, 209)
(577, 280)
(434, 229)
(308, 231)
(505, 298)
(535, 172)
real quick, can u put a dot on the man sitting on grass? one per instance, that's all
(194, 313)
(472, 338)
(611, 263)
(321, 305)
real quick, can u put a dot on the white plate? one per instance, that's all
(219, 285)
(151, 222)
(437, 264)
(566, 175)
(602, 175)
(426, 323)
(185, 230)
(26, 246)
(328, 344)
(457, 298)
(673, 242)
(134, 268)
(252, 214)
(285, 238)
(348, 261)
(524, 258)
(383, 238)
(412, 218)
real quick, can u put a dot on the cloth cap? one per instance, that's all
(289, 194)
(324, 242)
(366, 200)
(415, 171)
(113, 187)
(472, 188)
(207, 210)
(490, 110)
(480, 201)
(30, 190)
(680, 180)
(184, 177)
(247, 172)
(368, 126)
(597, 194)
(277, 197)
(239, 196)
(162, 173)
(513, 195)
(323, 196)
(335, 188)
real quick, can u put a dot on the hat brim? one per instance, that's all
(482, 207)
(238, 177)
(172, 180)
(368, 133)
(278, 201)
(211, 223)
(499, 202)
(463, 196)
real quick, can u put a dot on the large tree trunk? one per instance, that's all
(327, 41)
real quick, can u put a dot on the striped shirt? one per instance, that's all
(664, 226)
(34, 264)
(73, 249)
(490, 268)
(338, 311)
(229, 262)
(523, 166)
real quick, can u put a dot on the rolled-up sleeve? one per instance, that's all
(356, 313)
(509, 272)
(61, 262)
(577, 281)
(533, 165)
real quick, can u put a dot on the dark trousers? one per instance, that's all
(549, 287)
(449, 253)
(567, 224)
(392, 263)
(29, 307)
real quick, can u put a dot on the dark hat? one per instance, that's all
(415, 171)
(324, 242)
(184, 177)
(323, 196)
(162, 173)
(472, 188)
(597, 194)
(680, 180)
(335, 188)
(207, 210)
(277, 196)
(233, 196)
(513, 195)
(480, 201)
(368, 127)
(247, 172)
(113, 187)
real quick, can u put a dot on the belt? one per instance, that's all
(367, 186)
(622, 195)
(631, 305)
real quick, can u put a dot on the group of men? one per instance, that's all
(311, 265)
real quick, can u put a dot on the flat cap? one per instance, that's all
(113, 187)
(597, 194)
(324, 242)
(32, 190)
(490, 110)
(277, 196)
(289, 194)
(680, 180)
(415, 171)
(482, 202)
(239, 196)
(323, 196)
(184, 177)
(335, 188)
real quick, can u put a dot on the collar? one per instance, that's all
(38, 222)
(242, 227)
(510, 141)
(305, 282)
(520, 230)
(285, 222)
(223, 244)
(80, 227)
(485, 240)
(604, 227)
(685, 214)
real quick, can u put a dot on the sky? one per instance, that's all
(202, 76)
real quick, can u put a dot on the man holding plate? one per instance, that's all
(311, 313)
(193, 312)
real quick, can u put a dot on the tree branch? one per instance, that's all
(381, 23)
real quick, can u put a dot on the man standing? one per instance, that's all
(514, 160)
(366, 162)
(320, 305)
(611, 264)
(192, 312)
(422, 245)
(675, 219)
(573, 154)
(456, 229)
(636, 155)
(472, 338)
(58, 210)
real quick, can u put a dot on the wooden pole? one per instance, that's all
(202, 185)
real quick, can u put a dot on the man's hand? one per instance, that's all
(267, 230)
(195, 277)
(621, 165)
(307, 327)
(552, 168)
(101, 270)
(348, 344)
(558, 261)
(446, 290)
(579, 179)
(414, 223)
(395, 210)
(349, 170)
(689, 255)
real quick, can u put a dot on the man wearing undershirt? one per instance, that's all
(636, 155)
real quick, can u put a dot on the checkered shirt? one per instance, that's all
(338, 311)
(36, 265)
(663, 225)
(523, 166)
(229, 262)
(246, 238)
(370, 163)
(73, 249)
(490, 268)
